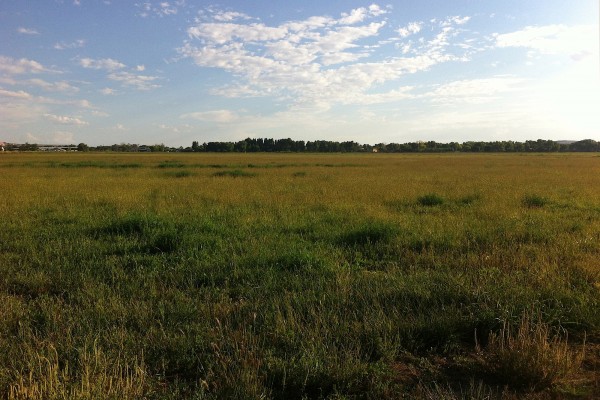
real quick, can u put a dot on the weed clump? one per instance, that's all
(535, 201)
(430, 200)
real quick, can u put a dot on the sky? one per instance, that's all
(114, 71)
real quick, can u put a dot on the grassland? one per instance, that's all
(203, 276)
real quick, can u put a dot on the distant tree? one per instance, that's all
(283, 145)
(585, 145)
(157, 148)
(28, 147)
(82, 147)
(241, 146)
(349, 147)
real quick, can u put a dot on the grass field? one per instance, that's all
(290, 276)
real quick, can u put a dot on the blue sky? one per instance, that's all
(104, 72)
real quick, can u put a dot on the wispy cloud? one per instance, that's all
(107, 64)
(79, 43)
(108, 91)
(9, 94)
(553, 39)
(184, 128)
(65, 120)
(474, 91)
(61, 86)
(221, 116)
(115, 72)
(27, 31)
(159, 9)
(140, 82)
(13, 66)
(228, 16)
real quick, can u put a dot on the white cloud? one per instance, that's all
(27, 31)
(576, 41)
(21, 95)
(176, 129)
(160, 9)
(228, 16)
(456, 20)
(410, 29)
(474, 91)
(108, 91)
(166, 9)
(317, 62)
(72, 45)
(221, 116)
(61, 86)
(65, 120)
(115, 73)
(107, 64)
(97, 113)
(355, 16)
(21, 66)
(222, 33)
(140, 82)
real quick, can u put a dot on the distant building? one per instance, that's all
(2, 145)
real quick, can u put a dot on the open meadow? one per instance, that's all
(291, 276)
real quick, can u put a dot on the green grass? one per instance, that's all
(304, 282)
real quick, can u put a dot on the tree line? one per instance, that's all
(264, 145)
(250, 145)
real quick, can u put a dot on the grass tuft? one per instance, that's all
(179, 174)
(535, 201)
(94, 376)
(171, 164)
(430, 200)
(369, 234)
(531, 355)
(235, 173)
(133, 224)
